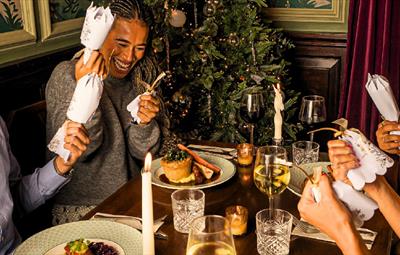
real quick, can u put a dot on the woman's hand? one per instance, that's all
(387, 142)
(331, 217)
(76, 141)
(343, 159)
(95, 64)
(149, 106)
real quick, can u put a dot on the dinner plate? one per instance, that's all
(120, 236)
(297, 177)
(228, 170)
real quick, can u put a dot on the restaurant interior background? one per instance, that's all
(29, 53)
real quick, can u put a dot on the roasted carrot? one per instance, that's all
(198, 159)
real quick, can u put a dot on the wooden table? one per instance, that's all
(239, 190)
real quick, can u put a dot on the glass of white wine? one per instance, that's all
(209, 235)
(271, 177)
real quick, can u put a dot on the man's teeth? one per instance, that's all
(120, 65)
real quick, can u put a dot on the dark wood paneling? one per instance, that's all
(318, 68)
(24, 83)
(320, 76)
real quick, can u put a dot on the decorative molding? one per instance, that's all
(311, 20)
(52, 30)
(25, 36)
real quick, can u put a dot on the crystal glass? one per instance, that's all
(270, 176)
(273, 230)
(305, 152)
(312, 111)
(252, 110)
(186, 206)
(210, 235)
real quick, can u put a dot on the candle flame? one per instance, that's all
(278, 86)
(147, 163)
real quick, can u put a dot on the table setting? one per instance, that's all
(252, 200)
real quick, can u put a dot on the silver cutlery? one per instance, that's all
(134, 222)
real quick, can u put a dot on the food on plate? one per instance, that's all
(183, 165)
(78, 247)
(207, 172)
(198, 159)
(177, 165)
(86, 247)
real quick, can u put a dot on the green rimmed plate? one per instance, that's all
(120, 236)
(228, 170)
(297, 177)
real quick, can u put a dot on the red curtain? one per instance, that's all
(373, 46)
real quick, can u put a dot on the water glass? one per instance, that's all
(210, 235)
(305, 152)
(273, 231)
(187, 205)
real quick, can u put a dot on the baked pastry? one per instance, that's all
(177, 165)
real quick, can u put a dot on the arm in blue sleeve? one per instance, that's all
(36, 188)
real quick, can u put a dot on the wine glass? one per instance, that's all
(252, 110)
(210, 234)
(312, 111)
(271, 176)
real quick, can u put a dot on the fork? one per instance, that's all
(304, 226)
(127, 220)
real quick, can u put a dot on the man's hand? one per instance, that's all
(95, 64)
(76, 141)
(343, 159)
(387, 142)
(149, 106)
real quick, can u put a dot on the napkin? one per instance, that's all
(372, 160)
(361, 206)
(133, 107)
(381, 93)
(97, 24)
(87, 94)
(367, 235)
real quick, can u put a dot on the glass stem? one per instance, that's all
(311, 137)
(251, 133)
(271, 206)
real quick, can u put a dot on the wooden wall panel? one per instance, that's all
(24, 83)
(319, 63)
(318, 68)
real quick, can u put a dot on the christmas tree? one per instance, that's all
(214, 51)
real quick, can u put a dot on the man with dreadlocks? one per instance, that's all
(116, 142)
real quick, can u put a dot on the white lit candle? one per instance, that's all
(147, 208)
(278, 106)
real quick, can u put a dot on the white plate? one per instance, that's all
(228, 170)
(297, 177)
(127, 239)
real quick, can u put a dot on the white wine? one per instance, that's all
(274, 181)
(211, 248)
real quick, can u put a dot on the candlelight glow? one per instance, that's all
(147, 162)
(278, 86)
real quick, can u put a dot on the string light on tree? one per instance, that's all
(215, 59)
